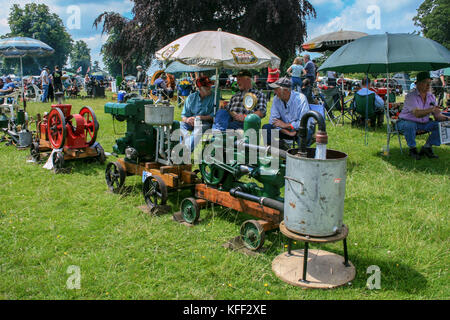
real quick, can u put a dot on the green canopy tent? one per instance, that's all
(389, 52)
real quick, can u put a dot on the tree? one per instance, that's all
(277, 24)
(80, 56)
(113, 63)
(36, 21)
(96, 66)
(433, 17)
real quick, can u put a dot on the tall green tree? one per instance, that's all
(280, 25)
(113, 62)
(433, 17)
(36, 21)
(80, 56)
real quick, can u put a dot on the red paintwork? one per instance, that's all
(78, 129)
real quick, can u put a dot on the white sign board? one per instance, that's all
(444, 132)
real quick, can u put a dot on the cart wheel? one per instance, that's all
(91, 126)
(252, 234)
(58, 161)
(155, 192)
(34, 151)
(115, 176)
(56, 128)
(190, 210)
(101, 154)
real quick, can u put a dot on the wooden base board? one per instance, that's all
(325, 270)
(173, 176)
(271, 217)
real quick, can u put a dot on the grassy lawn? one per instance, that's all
(396, 209)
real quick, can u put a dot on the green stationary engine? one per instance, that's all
(241, 157)
(139, 136)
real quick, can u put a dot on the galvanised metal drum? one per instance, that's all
(315, 192)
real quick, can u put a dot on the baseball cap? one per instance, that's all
(283, 82)
(243, 73)
(204, 82)
(423, 75)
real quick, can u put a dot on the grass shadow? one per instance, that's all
(404, 162)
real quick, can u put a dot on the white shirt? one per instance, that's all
(44, 77)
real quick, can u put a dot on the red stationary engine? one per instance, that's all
(74, 134)
(73, 131)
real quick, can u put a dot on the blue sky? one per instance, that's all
(332, 15)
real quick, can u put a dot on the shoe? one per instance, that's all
(428, 151)
(414, 154)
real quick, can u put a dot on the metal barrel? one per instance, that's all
(314, 193)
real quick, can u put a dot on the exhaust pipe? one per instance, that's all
(271, 203)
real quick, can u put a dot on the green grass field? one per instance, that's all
(397, 210)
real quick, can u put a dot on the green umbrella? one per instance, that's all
(447, 72)
(389, 52)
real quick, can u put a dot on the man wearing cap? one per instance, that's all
(44, 83)
(140, 79)
(200, 105)
(419, 105)
(236, 109)
(288, 107)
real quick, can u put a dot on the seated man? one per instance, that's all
(8, 87)
(419, 105)
(379, 103)
(161, 84)
(236, 110)
(198, 104)
(288, 107)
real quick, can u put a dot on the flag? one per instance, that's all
(79, 69)
(89, 68)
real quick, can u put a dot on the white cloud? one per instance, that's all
(396, 16)
(88, 12)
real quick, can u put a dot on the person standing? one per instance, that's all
(296, 71)
(44, 84)
(57, 80)
(438, 85)
(140, 79)
(311, 75)
(273, 74)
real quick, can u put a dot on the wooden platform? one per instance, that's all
(340, 235)
(271, 218)
(173, 176)
(326, 270)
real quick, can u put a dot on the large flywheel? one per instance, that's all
(91, 124)
(56, 128)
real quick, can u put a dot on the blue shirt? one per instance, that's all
(297, 70)
(310, 69)
(379, 103)
(8, 85)
(160, 83)
(292, 111)
(437, 73)
(195, 106)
